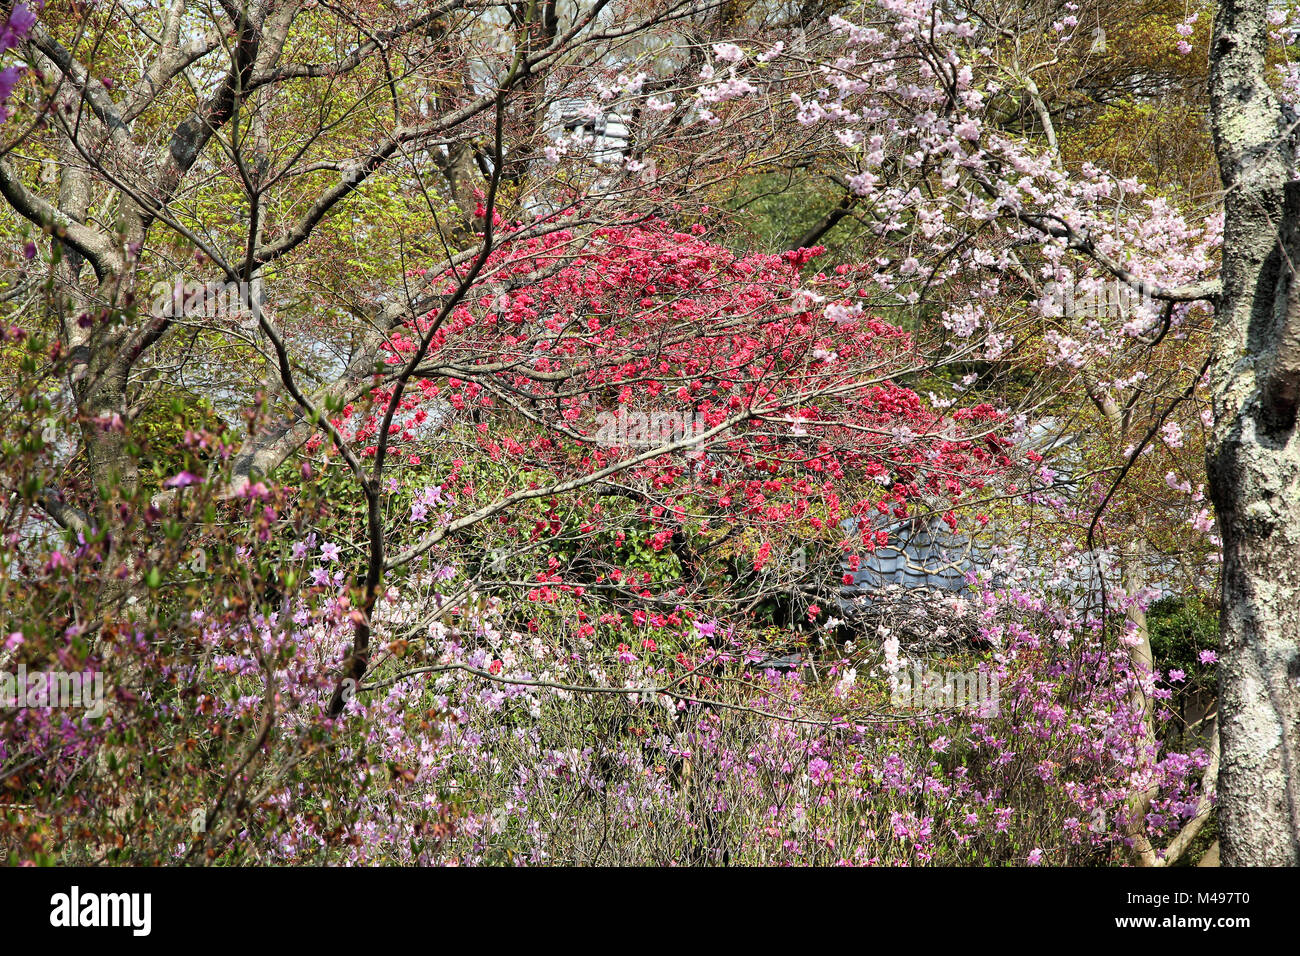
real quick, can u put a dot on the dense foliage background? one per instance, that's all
(459, 433)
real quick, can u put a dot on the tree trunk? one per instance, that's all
(1254, 455)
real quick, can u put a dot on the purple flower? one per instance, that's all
(20, 24)
(1035, 857)
(1208, 657)
(329, 551)
(23, 18)
(819, 770)
(183, 480)
(256, 490)
(1176, 675)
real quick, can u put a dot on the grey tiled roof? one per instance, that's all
(925, 554)
(922, 553)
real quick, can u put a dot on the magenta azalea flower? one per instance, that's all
(819, 770)
(19, 25)
(183, 480)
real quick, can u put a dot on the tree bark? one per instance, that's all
(1254, 455)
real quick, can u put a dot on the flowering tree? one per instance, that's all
(991, 178)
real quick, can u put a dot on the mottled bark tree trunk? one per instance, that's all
(1254, 455)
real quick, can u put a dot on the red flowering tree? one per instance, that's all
(639, 388)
